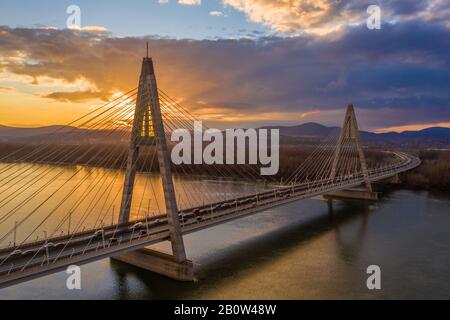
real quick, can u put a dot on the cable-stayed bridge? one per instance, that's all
(51, 217)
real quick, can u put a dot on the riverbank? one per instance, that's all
(433, 174)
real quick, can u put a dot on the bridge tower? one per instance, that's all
(350, 134)
(148, 128)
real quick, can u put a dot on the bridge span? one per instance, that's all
(330, 168)
(37, 259)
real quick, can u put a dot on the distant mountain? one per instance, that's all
(307, 132)
(13, 133)
(57, 135)
(433, 133)
(315, 131)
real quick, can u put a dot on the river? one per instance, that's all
(298, 251)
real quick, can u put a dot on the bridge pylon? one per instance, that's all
(350, 134)
(148, 128)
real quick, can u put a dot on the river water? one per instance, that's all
(299, 251)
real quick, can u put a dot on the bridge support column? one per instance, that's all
(160, 263)
(148, 129)
(352, 194)
(330, 205)
(350, 135)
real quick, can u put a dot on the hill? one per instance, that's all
(307, 132)
(315, 131)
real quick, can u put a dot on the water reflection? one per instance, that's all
(257, 250)
(39, 201)
(350, 244)
(293, 252)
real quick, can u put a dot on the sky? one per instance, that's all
(231, 62)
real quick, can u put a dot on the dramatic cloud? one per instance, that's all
(324, 16)
(395, 77)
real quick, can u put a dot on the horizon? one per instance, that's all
(419, 128)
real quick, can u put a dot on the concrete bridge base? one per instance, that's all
(158, 262)
(353, 194)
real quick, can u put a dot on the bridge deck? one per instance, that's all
(36, 259)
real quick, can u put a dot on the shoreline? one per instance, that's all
(403, 184)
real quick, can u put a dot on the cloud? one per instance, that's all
(190, 2)
(216, 13)
(183, 2)
(325, 16)
(396, 77)
(93, 29)
(77, 96)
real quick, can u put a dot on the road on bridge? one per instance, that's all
(44, 257)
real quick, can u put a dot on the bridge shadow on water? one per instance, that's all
(258, 250)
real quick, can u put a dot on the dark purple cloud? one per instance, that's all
(402, 70)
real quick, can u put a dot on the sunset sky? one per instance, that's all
(231, 62)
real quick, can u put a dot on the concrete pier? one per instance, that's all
(392, 180)
(353, 194)
(330, 205)
(158, 262)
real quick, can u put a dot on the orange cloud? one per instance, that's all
(270, 79)
(77, 96)
(312, 16)
(309, 114)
